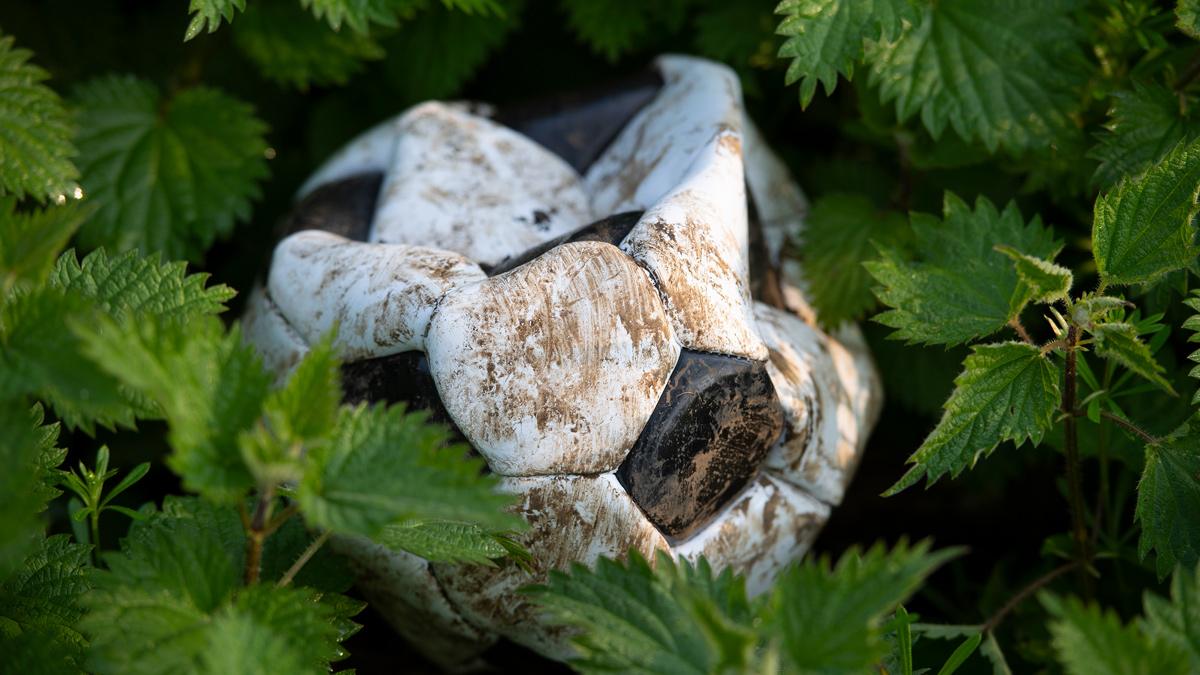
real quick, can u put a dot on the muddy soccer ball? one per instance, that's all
(589, 291)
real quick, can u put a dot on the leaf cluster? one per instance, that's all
(682, 617)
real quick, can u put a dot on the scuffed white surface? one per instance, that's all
(475, 187)
(680, 159)
(831, 397)
(555, 366)
(571, 519)
(766, 528)
(401, 587)
(381, 296)
(279, 345)
(662, 143)
(695, 244)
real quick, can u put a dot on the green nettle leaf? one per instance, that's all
(207, 15)
(305, 409)
(959, 288)
(672, 618)
(35, 130)
(209, 385)
(128, 284)
(1144, 124)
(42, 598)
(615, 27)
(294, 49)
(1006, 392)
(171, 601)
(1177, 621)
(447, 541)
(149, 611)
(455, 45)
(1145, 227)
(680, 618)
(739, 34)
(41, 357)
(302, 412)
(1002, 72)
(272, 630)
(325, 572)
(826, 38)
(1047, 283)
(1192, 323)
(1169, 497)
(27, 450)
(837, 239)
(1187, 18)
(829, 618)
(1119, 342)
(383, 465)
(360, 14)
(1092, 308)
(30, 240)
(167, 174)
(1089, 641)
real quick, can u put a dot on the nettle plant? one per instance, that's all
(1059, 105)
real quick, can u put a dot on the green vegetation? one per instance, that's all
(1004, 193)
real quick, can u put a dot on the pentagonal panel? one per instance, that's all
(611, 230)
(343, 207)
(831, 395)
(553, 367)
(466, 184)
(710, 431)
(571, 519)
(397, 378)
(381, 296)
(578, 126)
(768, 527)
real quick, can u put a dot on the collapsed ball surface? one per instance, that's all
(571, 291)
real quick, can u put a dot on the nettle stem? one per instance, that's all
(304, 558)
(1016, 325)
(94, 521)
(1130, 427)
(1070, 433)
(256, 534)
(994, 621)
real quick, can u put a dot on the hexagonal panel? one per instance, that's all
(554, 367)
(610, 230)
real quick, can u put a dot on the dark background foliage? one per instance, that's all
(1010, 517)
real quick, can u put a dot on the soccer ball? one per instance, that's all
(589, 290)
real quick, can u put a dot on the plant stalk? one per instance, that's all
(1074, 474)
(307, 555)
(1016, 325)
(255, 535)
(1024, 593)
(94, 521)
(1130, 427)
